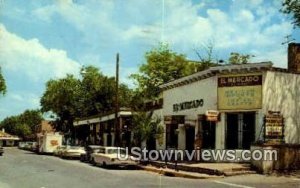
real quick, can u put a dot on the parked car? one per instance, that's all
(90, 149)
(21, 145)
(73, 152)
(110, 156)
(31, 146)
(59, 150)
(1, 150)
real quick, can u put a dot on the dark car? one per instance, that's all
(89, 150)
(1, 150)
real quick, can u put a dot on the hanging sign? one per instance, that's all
(212, 115)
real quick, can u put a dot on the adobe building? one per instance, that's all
(100, 129)
(225, 107)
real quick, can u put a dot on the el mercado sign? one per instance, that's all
(240, 92)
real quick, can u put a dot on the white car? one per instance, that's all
(113, 156)
(73, 152)
(59, 150)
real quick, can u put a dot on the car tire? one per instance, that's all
(104, 164)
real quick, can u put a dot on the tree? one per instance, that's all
(23, 125)
(292, 7)
(237, 58)
(69, 98)
(98, 91)
(2, 84)
(206, 55)
(146, 127)
(62, 97)
(162, 65)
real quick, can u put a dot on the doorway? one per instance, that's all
(208, 134)
(189, 138)
(240, 130)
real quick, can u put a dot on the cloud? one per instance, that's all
(31, 58)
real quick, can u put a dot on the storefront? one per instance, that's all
(224, 107)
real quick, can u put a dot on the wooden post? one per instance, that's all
(116, 122)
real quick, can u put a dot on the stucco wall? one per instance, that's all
(205, 89)
(281, 92)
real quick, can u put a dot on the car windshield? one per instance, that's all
(116, 151)
(75, 147)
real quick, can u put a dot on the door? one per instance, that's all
(248, 129)
(208, 134)
(232, 130)
(189, 138)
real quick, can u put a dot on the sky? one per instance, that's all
(42, 40)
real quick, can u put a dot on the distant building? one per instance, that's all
(7, 139)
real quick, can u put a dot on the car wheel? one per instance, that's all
(103, 164)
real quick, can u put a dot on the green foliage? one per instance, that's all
(292, 7)
(237, 58)
(162, 65)
(2, 84)
(98, 91)
(69, 98)
(23, 125)
(146, 126)
(62, 97)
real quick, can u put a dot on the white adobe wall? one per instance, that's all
(205, 89)
(281, 92)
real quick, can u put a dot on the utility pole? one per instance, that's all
(116, 122)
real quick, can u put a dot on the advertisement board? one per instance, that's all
(240, 92)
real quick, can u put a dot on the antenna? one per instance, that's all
(288, 40)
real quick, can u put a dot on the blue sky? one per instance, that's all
(40, 40)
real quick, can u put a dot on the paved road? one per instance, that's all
(23, 169)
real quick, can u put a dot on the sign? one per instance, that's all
(54, 142)
(240, 92)
(212, 115)
(274, 124)
(188, 105)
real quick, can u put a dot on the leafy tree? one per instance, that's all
(2, 84)
(162, 65)
(98, 91)
(237, 58)
(206, 55)
(9, 124)
(23, 125)
(146, 127)
(31, 118)
(62, 97)
(292, 7)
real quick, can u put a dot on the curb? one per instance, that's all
(173, 173)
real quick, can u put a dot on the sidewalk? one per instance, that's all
(215, 169)
(174, 173)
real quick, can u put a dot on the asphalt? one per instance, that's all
(23, 169)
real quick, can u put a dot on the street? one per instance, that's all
(23, 169)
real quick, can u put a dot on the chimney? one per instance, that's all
(294, 57)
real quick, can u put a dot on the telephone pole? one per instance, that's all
(116, 122)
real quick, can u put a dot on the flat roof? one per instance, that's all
(212, 71)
